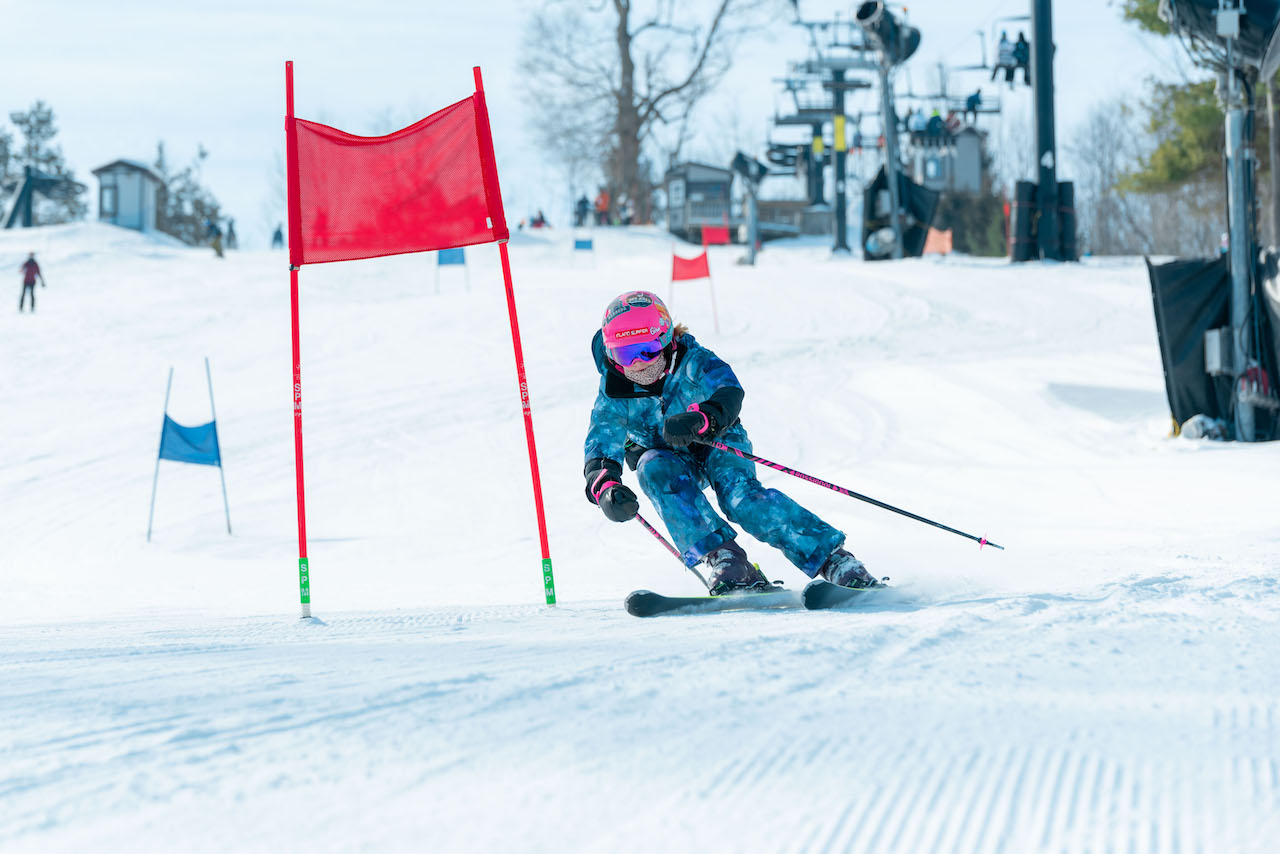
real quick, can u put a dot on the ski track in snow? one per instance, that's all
(1107, 684)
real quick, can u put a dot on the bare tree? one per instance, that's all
(1116, 219)
(604, 75)
(1103, 151)
(1013, 149)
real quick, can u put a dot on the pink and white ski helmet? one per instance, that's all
(637, 328)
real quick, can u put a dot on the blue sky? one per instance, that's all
(121, 76)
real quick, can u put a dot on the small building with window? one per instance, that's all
(128, 194)
(698, 195)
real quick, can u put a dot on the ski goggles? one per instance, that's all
(630, 353)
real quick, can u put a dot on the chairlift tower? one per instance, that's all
(814, 121)
(847, 50)
(832, 70)
(1050, 237)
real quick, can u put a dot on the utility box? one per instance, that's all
(948, 164)
(1217, 352)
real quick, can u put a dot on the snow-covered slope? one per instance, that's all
(1110, 682)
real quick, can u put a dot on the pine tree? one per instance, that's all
(38, 151)
(185, 205)
(8, 178)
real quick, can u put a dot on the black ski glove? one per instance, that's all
(605, 488)
(703, 422)
(632, 453)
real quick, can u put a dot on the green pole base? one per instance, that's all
(548, 581)
(304, 587)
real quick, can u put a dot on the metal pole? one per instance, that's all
(981, 541)
(221, 474)
(1049, 235)
(670, 548)
(892, 166)
(837, 140)
(295, 261)
(817, 186)
(753, 221)
(548, 579)
(156, 479)
(1239, 254)
(1273, 140)
(491, 186)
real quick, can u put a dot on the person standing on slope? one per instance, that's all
(661, 393)
(30, 272)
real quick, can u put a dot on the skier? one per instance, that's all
(1005, 60)
(650, 368)
(602, 207)
(30, 272)
(214, 234)
(277, 237)
(971, 105)
(1021, 59)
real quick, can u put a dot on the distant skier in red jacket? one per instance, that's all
(30, 272)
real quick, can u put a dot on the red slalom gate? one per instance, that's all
(430, 186)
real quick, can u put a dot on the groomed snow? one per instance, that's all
(1110, 682)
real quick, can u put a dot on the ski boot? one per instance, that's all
(846, 570)
(731, 572)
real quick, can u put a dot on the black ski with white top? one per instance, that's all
(645, 603)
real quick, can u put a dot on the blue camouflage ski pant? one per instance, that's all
(674, 481)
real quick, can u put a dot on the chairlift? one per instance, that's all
(995, 22)
(957, 104)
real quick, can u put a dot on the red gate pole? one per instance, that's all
(295, 261)
(548, 580)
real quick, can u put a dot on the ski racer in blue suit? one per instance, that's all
(662, 395)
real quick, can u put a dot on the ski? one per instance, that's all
(645, 603)
(819, 594)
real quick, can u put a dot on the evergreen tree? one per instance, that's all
(1146, 14)
(976, 220)
(1185, 119)
(8, 178)
(185, 205)
(6, 158)
(38, 151)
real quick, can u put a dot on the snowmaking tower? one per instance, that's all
(894, 42)
(1240, 44)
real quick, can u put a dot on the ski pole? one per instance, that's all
(981, 541)
(670, 548)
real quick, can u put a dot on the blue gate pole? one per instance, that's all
(213, 413)
(155, 480)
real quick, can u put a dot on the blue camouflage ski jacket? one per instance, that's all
(624, 411)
